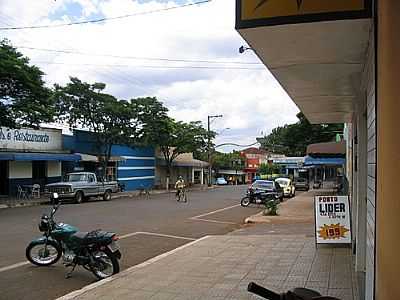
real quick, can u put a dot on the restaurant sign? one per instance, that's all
(254, 13)
(30, 140)
(332, 220)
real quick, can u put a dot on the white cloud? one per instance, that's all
(250, 100)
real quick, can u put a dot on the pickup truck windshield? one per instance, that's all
(76, 177)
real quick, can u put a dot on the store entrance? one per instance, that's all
(4, 182)
(39, 173)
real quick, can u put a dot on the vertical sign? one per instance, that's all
(332, 220)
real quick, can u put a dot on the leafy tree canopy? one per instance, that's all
(269, 169)
(86, 106)
(231, 160)
(293, 139)
(24, 100)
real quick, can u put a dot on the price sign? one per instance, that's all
(332, 220)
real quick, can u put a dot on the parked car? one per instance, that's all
(289, 190)
(268, 186)
(81, 186)
(221, 181)
(301, 184)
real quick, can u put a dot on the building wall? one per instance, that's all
(53, 169)
(136, 171)
(161, 175)
(20, 173)
(20, 169)
(371, 177)
(388, 157)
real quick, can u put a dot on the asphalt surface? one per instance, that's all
(149, 227)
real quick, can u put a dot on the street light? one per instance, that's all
(209, 119)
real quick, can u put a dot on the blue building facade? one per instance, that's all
(133, 167)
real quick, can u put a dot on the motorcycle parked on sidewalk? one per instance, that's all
(294, 294)
(258, 197)
(96, 251)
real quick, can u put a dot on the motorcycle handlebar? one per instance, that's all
(262, 292)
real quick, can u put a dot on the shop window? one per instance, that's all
(197, 175)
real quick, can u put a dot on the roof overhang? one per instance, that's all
(316, 53)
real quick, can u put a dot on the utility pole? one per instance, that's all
(209, 118)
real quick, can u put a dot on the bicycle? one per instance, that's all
(144, 191)
(181, 196)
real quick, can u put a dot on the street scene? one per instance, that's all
(199, 149)
(147, 228)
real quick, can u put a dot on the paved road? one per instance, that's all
(150, 226)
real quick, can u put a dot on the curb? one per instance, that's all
(23, 204)
(77, 293)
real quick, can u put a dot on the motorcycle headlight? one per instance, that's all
(44, 225)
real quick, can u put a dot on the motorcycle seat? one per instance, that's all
(92, 236)
(80, 235)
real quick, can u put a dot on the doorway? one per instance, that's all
(4, 182)
(39, 173)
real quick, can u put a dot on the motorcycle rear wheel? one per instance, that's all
(245, 201)
(43, 254)
(108, 264)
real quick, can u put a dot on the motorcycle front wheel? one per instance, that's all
(43, 253)
(105, 264)
(245, 201)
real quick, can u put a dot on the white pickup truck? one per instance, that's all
(80, 186)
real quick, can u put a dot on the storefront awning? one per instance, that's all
(39, 156)
(332, 161)
(87, 157)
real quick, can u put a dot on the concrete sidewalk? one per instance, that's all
(220, 267)
(279, 254)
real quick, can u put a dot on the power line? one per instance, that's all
(138, 57)
(101, 20)
(148, 66)
(233, 144)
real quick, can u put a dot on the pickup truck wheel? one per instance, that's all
(107, 196)
(78, 197)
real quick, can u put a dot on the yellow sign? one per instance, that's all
(254, 13)
(332, 231)
(257, 9)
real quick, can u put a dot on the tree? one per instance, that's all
(83, 105)
(231, 160)
(24, 100)
(293, 139)
(268, 169)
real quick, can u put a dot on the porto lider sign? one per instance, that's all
(332, 220)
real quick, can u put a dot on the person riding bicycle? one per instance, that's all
(179, 186)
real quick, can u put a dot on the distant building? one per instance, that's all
(254, 157)
(192, 170)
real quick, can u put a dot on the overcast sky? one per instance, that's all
(247, 95)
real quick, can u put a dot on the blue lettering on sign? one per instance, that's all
(21, 136)
(2, 135)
